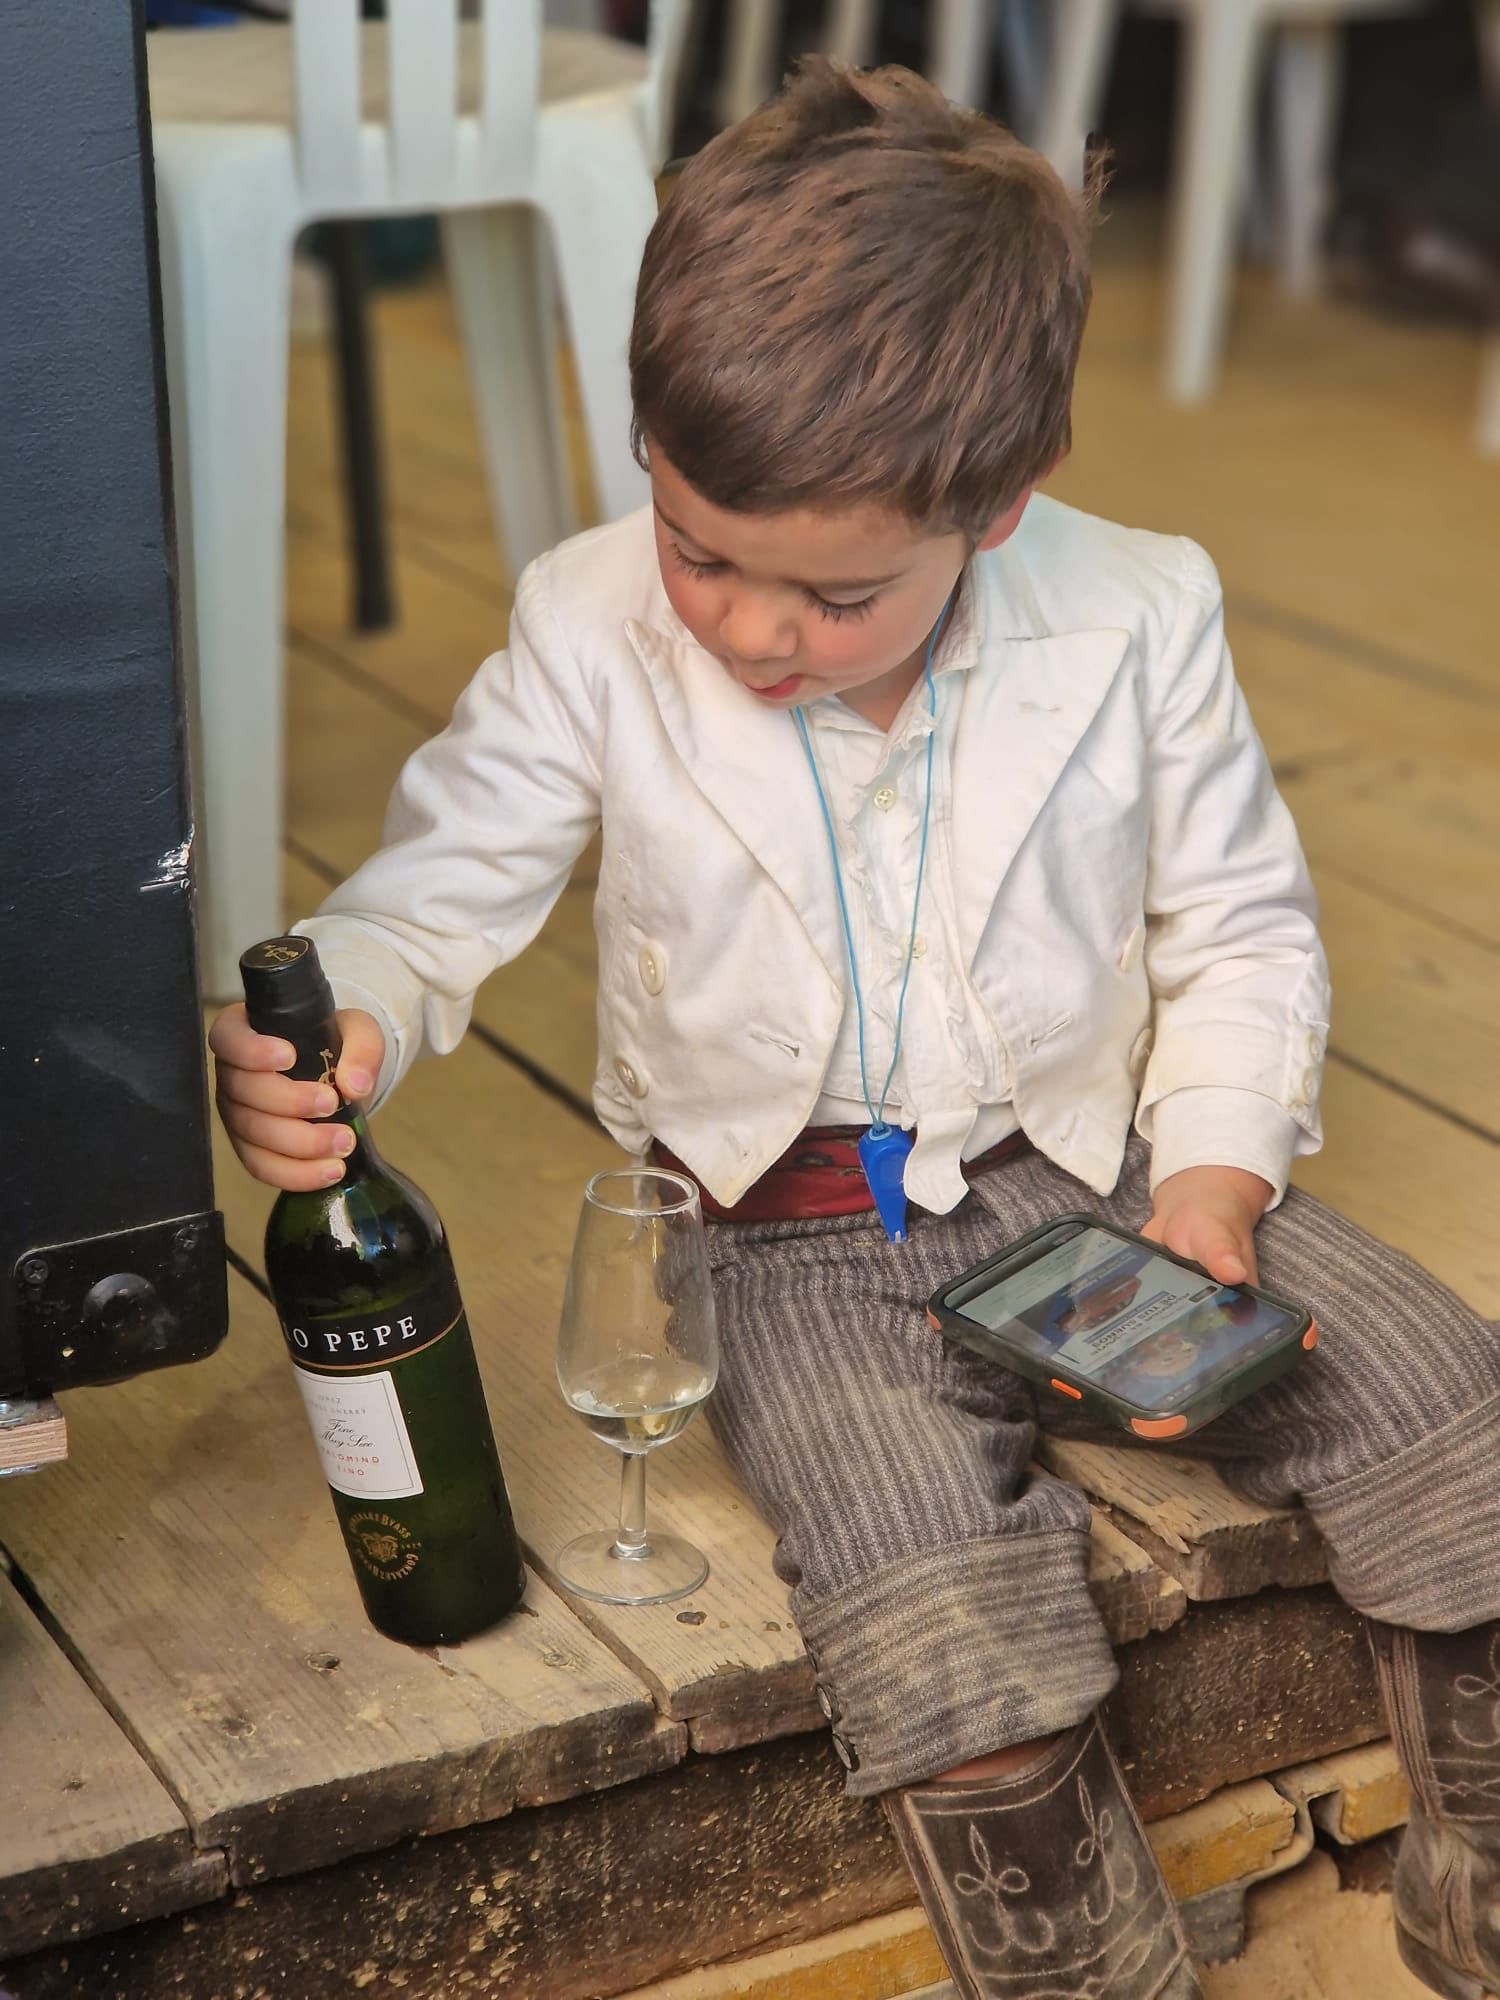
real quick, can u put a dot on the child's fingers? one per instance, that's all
(1219, 1250)
(363, 1052)
(279, 1096)
(277, 1171)
(233, 1040)
(296, 1138)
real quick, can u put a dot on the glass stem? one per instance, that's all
(630, 1540)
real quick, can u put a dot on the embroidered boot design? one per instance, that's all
(1043, 1886)
(1442, 1696)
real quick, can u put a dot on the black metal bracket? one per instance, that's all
(112, 1306)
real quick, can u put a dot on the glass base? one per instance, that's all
(665, 1567)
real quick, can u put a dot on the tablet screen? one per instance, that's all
(1116, 1314)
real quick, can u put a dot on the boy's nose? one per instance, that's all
(754, 634)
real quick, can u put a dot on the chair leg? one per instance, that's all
(1083, 38)
(750, 56)
(226, 237)
(960, 59)
(1306, 75)
(502, 287)
(1221, 66)
(853, 31)
(359, 421)
(1487, 433)
(599, 199)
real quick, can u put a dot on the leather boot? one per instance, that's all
(1442, 1695)
(1042, 1885)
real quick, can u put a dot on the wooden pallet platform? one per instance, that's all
(211, 1760)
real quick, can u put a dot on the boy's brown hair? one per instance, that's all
(862, 293)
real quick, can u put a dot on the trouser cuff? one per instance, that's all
(962, 1651)
(1412, 1541)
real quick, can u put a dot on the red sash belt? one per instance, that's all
(819, 1174)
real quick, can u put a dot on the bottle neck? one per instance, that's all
(318, 1051)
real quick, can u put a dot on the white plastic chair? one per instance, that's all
(1225, 43)
(537, 150)
(957, 60)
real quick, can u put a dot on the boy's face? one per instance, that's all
(807, 603)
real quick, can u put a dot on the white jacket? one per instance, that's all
(1131, 897)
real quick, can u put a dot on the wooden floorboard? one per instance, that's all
(90, 1837)
(188, 1555)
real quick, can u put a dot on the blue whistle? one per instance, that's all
(883, 1154)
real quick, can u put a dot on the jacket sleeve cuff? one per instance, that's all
(1217, 1125)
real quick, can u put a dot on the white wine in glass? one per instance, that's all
(637, 1356)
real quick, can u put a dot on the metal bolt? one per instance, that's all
(34, 1270)
(186, 1238)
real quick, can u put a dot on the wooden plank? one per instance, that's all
(188, 1551)
(1426, 830)
(90, 1838)
(1241, 1834)
(1413, 1000)
(32, 1434)
(1412, 1179)
(1354, 1794)
(716, 1856)
(1238, 1689)
(1286, 475)
(1182, 1513)
(1133, 1594)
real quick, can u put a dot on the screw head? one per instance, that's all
(34, 1270)
(186, 1238)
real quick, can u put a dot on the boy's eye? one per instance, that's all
(694, 567)
(825, 608)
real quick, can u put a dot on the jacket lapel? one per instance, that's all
(1022, 709)
(1026, 706)
(749, 763)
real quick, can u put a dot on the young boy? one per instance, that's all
(1012, 906)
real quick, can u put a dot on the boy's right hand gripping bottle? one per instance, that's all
(364, 1287)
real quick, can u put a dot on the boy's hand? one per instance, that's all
(267, 1115)
(1209, 1214)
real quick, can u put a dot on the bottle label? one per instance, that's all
(361, 1435)
(355, 1346)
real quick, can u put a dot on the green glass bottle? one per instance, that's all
(363, 1284)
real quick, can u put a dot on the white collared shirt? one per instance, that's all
(951, 1077)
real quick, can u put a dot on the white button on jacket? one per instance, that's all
(1116, 860)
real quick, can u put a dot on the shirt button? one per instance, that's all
(652, 964)
(919, 947)
(1314, 1048)
(1309, 1084)
(630, 1078)
(885, 798)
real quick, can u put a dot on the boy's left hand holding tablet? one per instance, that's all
(1209, 1214)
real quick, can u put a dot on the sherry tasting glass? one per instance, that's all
(637, 1353)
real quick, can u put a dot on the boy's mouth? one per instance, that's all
(778, 691)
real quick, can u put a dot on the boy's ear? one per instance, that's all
(1004, 525)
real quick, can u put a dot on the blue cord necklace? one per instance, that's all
(883, 1150)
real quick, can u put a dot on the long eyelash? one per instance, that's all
(837, 611)
(833, 612)
(698, 569)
